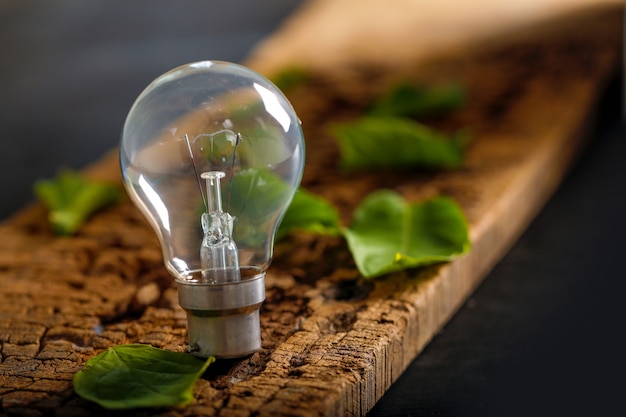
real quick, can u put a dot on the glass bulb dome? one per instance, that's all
(212, 117)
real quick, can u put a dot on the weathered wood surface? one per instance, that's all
(332, 342)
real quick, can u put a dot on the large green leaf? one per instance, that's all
(392, 142)
(388, 234)
(311, 213)
(133, 376)
(258, 198)
(257, 195)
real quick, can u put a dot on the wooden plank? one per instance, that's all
(327, 34)
(332, 342)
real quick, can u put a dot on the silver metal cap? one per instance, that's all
(223, 319)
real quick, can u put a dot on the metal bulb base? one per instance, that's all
(223, 319)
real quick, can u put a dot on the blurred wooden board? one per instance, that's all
(329, 34)
(332, 342)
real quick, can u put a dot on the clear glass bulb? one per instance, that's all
(212, 154)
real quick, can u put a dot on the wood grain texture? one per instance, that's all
(332, 341)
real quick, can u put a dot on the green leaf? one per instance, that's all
(258, 197)
(388, 234)
(71, 199)
(391, 142)
(310, 213)
(134, 376)
(290, 78)
(407, 100)
(257, 194)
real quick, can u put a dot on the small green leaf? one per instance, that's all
(71, 199)
(390, 142)
(388, 234)
(290, 78)
(407, 100)
(310, 213)
(134, 376)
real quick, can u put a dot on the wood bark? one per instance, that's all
(333, 342)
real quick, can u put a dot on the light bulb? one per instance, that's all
(212, 154)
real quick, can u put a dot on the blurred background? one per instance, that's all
(542, 334)
(71, 69)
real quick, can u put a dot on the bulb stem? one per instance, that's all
(213, 190)
(218, 254)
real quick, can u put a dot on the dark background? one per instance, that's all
(541, 336)
(71, 69)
